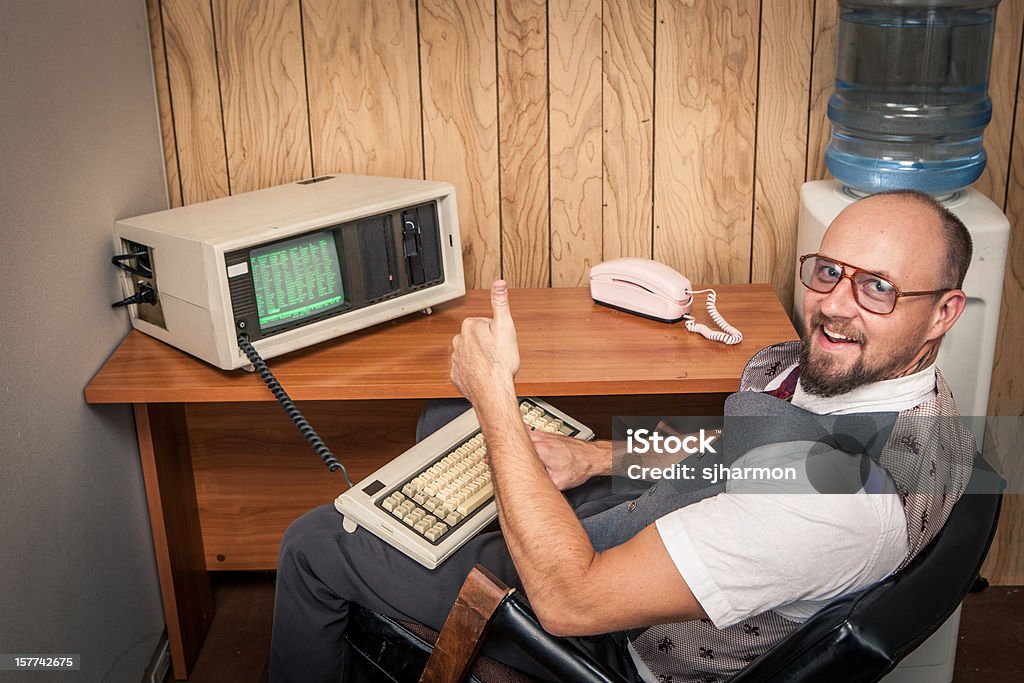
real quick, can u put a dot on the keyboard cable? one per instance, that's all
(260, 366)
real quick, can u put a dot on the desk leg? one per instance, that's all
(177, 538)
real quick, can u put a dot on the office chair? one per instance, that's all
(859, 637)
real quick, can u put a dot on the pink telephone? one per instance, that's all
(653, 290)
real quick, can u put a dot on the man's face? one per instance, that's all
(846, 346)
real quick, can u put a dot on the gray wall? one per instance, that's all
(79, 147)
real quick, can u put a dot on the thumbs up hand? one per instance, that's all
(485, 354)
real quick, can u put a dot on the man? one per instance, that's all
(727, 569)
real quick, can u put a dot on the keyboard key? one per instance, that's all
(475, 500)
(453, 518)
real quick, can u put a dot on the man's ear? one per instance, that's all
(946, 312)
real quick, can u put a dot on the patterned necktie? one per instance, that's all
(786, 390)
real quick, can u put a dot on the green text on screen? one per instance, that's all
(297, 279)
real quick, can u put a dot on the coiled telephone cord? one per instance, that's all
(260, 366)
(729, 334)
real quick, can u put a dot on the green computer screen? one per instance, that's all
(297, 279)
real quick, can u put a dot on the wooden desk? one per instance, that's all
(226, 471)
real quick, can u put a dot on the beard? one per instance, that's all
(821, 374)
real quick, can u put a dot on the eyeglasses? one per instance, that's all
(871, 291)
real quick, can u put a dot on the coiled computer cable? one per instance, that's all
(260, 366)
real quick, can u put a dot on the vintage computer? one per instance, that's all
(289, 266)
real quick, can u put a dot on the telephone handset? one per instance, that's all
(653, 290)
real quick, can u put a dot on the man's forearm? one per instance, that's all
(532, 511)
(602, 462)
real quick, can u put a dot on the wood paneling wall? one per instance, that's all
(573, 130)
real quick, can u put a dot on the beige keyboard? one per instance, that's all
(445, 493)
(434, 497)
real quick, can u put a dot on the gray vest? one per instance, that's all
(928, 458)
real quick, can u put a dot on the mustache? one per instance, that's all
(818, 319)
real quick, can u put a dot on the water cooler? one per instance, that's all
(908, 112)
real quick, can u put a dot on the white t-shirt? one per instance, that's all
(809, 548)
(781, 545)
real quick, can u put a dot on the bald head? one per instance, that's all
(955, 237)
(923, 238)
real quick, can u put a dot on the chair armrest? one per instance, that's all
(463, 631)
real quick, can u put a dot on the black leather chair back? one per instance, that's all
(861, 637)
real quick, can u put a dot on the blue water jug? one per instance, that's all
(911, 97)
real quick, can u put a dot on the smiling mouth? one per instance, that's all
(836, 337)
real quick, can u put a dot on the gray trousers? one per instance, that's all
(322, 569)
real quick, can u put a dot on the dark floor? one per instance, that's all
(991, 646)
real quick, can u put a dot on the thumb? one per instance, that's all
(500, 311)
